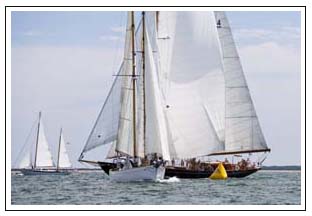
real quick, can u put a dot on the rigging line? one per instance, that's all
(24, 145)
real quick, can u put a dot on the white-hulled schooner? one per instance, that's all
(132, 107)
(37, 159)
(182, 95)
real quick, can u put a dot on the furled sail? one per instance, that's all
(191, 82)
(44, 156)
(64, 161)
(242, 128)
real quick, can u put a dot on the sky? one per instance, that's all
(63, 65)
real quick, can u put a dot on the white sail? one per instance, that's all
(104, 132)
(196, 97)
(156, 126)
(44, 156)
(242, 128)
(125, 130)
(140, 94)
(26, 161)
(64, 161)
(192, 82)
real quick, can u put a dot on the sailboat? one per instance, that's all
(38, 158)
(193, 100)
(200, 64)
(130, 110)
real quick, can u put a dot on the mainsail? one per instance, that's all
(242, 127)
(43, 154)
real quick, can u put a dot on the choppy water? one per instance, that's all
(263, 187)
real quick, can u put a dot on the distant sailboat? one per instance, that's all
(38, 158)
(187, 97)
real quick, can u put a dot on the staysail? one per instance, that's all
(242, 127)
(63, 159)
(156, 125)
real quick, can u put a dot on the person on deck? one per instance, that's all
(173, 162)
(182, 163)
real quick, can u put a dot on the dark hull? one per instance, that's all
(185, 173)
(241, 173)
(107, 166)
(180, 172)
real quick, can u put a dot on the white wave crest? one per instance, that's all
(170, 180)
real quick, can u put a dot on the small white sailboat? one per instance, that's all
(38, 158)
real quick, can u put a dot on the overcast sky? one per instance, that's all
(63, 62)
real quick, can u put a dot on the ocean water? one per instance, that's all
(94, 188)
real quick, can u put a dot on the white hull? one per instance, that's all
(148, 173)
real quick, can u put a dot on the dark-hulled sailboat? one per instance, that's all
(216, 115)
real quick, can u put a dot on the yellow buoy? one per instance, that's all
(219, 173)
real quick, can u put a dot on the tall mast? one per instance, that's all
(157, 20)
(36, 151)
(143, 74)
(133, 84)
(58, 154)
